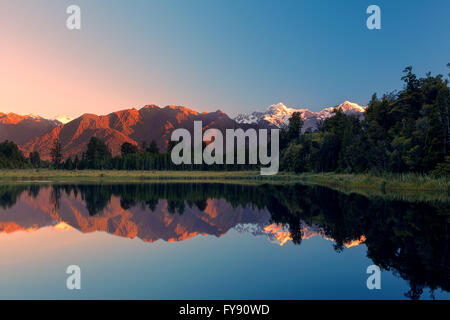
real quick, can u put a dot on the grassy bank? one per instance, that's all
(386, 181)
(46, 174)
(408, 182)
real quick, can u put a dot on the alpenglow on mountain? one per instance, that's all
(278, 115)
(150, 123)
(35, 133)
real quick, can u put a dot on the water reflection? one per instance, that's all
(409, 238)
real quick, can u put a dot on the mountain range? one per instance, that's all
(131, 125)
(137, 126)
(278, 115)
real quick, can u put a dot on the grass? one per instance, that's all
(383, 182)
(48, 174)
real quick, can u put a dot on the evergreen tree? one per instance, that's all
(35, 159)
(128, 148)
(97, 155)
(56, 153)
(153, 148)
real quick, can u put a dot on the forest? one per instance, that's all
(407, 131)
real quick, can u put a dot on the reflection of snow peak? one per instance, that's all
(62, 226)
(9, 227)
(277, 233)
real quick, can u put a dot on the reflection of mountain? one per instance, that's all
(281, 235)
(216, 219)
(410, 238)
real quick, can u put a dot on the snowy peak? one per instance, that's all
(278, 115)
(278, 108)
(63, 119)
(351, 106)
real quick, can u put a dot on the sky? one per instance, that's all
(233, 55)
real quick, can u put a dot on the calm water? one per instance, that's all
(216, 241)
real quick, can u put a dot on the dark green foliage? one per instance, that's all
(401, 132)
(97, 155)
(56, 153)
(68, 164)
(294, 129)
(11, 156)
(153, 148)
(128, 148)
(35, 159)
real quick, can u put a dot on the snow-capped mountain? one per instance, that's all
(63, 119)
(278, 115)
(22, 128)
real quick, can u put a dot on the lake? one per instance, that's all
(219, 241)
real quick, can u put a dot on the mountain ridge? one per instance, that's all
(138, 126)
(133, 125)
(278, 115)
(22, 128)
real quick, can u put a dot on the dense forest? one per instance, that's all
(405, 131)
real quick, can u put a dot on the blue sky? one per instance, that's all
(233, 55)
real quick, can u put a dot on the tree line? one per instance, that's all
(405, 131)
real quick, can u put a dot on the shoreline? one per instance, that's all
(385, 182)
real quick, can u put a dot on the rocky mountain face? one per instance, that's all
(131, 125)
(21, 129)
(278, 115)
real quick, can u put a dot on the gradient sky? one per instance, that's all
(233, 55)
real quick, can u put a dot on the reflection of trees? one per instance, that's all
(55, 197)
(409, 238)
(178, 196)
(10, 193)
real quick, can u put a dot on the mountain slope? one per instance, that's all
(131, 125)
(21, 129)
(278, 115)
